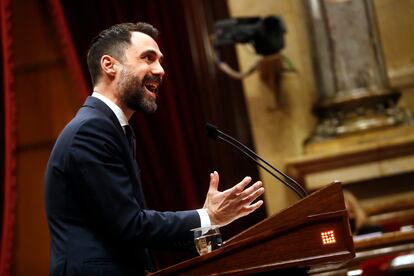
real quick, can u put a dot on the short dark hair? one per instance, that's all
(113, 42)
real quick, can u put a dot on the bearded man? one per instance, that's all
(98, 221)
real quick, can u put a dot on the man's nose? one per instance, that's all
(157, 69)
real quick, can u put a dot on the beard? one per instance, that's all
(133, 92)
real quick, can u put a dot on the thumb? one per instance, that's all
(214, 181)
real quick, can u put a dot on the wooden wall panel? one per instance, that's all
(31, 254)
(45, 103)
(35, 42)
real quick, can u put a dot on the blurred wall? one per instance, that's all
(396, 27)
(280, 114)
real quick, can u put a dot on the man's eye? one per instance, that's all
(148, 59)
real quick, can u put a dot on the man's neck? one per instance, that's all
(115, 99)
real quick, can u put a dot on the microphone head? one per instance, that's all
(212, 130)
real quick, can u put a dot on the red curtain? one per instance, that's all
(70, 54)
(8, 141)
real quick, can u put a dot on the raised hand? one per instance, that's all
(231, 204)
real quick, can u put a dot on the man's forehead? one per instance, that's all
(144, 42)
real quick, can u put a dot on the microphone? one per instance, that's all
(214, 132)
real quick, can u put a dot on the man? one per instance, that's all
(94, 201)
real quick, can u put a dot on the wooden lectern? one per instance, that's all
(313, 232)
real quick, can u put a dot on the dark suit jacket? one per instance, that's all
(94, 202)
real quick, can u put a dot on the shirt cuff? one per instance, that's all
(204, 218)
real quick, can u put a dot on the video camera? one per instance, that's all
(265, 34)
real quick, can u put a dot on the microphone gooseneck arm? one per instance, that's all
(213, 132)
(298, 186)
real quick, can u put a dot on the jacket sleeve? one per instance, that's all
(107, 190)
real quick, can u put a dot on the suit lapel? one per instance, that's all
(133, 168)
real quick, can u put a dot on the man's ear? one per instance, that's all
(108, 65)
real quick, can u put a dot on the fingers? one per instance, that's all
(233, 203)
(250, 195)
(238, 188)
(214, 181)
(254, 207)
(252, 188)
(249, 198)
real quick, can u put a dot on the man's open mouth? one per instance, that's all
(151, 86)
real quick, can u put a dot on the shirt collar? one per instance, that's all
(116, 109)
